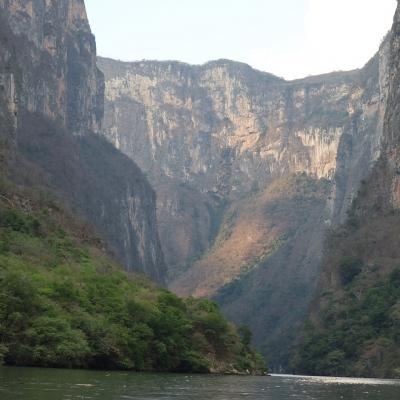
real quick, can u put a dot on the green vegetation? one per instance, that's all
(360, 334)
(349, 268)
(255, 275)
(63, 303)
(354, 327)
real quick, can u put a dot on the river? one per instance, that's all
(45, 384)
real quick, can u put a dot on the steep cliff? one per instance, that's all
(8, 98)
(54, 91)
(56, 54)
(223, 126)
(217, 141)
(353, 328)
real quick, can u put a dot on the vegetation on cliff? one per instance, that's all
(272, 290)
(354, 327)
(360, 333)
(64, 303)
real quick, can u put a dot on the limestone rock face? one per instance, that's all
(62, 53)
(8, 95)
(214, 140)
(48, 73)
(224, 128)
(361, 145)
(392, 118)
(191, 121)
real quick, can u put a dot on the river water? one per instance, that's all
(44, 384)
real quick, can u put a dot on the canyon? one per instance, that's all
(217, 180)
(250, 172)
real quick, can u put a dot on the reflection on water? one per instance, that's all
(328, 380)
(39, 384)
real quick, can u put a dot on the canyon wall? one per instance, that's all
(60, 78)
(353, 326)
(54, 91)
(222, 145)
(224, 129)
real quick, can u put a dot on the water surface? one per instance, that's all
(42, 384)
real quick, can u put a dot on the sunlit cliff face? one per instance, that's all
(223, 127)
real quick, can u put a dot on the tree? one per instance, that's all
(246, 335)
(349, 268)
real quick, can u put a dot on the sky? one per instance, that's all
(289, 38)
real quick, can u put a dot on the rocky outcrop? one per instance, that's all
(48, 69)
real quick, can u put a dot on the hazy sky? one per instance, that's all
(290, 38)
